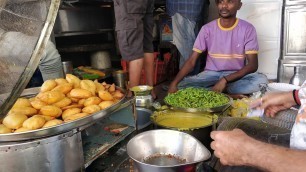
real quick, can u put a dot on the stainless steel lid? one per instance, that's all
(25, 27)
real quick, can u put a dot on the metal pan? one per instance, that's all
(213, 109)
(44, 132)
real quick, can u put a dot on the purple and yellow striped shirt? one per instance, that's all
(226, 47)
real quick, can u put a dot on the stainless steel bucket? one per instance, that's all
(67, 67)
(60, 153)
(120, 78)
(146, 147)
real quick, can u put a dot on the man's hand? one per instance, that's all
(220, 85)
(231, 146)
(236, 148)
(172, 88)
(274, 102)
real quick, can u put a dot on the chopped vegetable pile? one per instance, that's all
(196, 98)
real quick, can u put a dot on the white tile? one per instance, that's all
(268, 58)
(265, 16)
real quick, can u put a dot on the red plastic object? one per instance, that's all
(160, 67)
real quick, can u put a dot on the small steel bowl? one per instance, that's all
(141, 90)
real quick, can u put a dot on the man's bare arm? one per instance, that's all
(187, 67)
(235, 148)
(251, 67)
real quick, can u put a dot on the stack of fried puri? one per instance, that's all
(59, 101)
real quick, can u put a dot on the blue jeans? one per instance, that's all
(207, 79)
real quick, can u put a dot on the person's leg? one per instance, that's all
(149, 70)
(148, 23)
(205, 79)
(50, 64)
(130, 36)
(248, 84)
(183, 36)
(135, 67)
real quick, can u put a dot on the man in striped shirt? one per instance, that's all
(232, 60)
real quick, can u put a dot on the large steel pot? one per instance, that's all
(201, 133)
(60, 153)
(163, 150)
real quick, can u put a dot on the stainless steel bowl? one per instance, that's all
(174, 144)
(141, 90)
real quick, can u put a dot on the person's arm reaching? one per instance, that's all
(251, 67)
(187, 67)
(274, 102)
(50, 64)
(235, 148)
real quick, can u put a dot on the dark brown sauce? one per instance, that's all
(164, 160)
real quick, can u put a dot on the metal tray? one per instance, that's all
(108, 73)
(44, 132)
(214, 109)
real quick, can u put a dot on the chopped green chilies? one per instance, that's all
(196, 98)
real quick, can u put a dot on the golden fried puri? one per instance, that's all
(64, 88)
(51, 97)
(14, 121)
(69, 112)
(117, 94)
(22, 102)
(112, 88)
(99, 86)
(75, 117)
(22, 129)
(106, 104)
(72, 106)
(35, 122)
(48, 85)
(4, 129)
(88, 85)
(91, 109)
(73, 80)
(80, 93)
(63, 103)
(60, 81)
(47, 118)
(81, 101)
(53, 123)
(37, 103)
(28, 111)
(92, 101)
(105, 95)
(51, 110)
